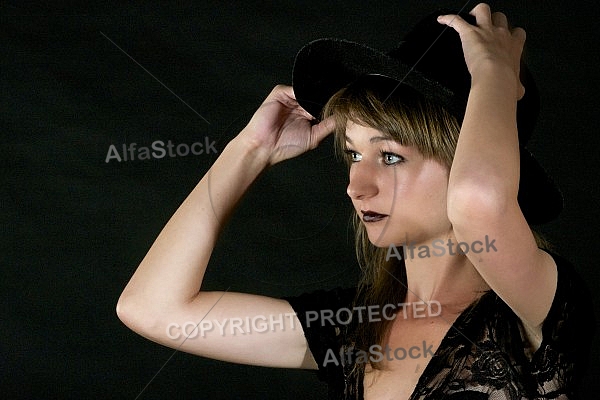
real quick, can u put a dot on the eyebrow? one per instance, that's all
(374, 139)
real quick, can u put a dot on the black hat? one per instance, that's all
(431, 61)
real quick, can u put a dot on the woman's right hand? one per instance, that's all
(165, 291)
(280, 129)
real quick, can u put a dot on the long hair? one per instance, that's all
(406, 117)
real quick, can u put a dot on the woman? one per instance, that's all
(429, 171)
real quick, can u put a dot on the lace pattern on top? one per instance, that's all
(483, 356)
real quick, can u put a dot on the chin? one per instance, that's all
(380, 241)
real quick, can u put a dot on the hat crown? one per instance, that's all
(430, 45)
(430, 60)
(435, 51)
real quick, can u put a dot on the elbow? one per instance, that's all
(148, 317)
(126, 312)
(131, 311)
(478, 205)
(123, 310)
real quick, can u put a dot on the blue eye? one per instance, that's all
(353, 155)
(391, 158)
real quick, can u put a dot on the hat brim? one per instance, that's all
(325, 66)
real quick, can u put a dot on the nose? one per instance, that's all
(363, 183)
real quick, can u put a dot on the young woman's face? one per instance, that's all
(399, 195)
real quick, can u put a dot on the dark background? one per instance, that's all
(75, 227)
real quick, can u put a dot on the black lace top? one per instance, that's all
(483, 355)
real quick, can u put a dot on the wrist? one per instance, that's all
(250, 150)
(496, 77)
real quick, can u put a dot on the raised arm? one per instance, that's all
(164, 292)
(484, 178)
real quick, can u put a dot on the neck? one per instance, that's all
(444, 276)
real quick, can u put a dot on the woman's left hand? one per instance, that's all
(491, 45)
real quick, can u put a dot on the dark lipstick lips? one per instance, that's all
(370, 216)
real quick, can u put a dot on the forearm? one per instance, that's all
(171, 273)
(486, 162)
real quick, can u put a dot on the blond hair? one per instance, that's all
(407, 117)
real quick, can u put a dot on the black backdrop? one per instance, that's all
(77, 79)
